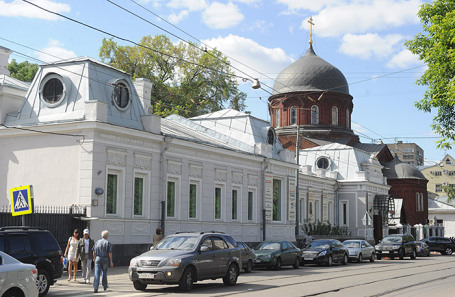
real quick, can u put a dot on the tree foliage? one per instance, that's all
(435, 46)
(23, 71)
(450, 191)
(186, 80)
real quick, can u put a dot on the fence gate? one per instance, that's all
(59, 220)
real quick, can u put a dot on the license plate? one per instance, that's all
(308, 259)
(146, 275)
(258, 261)
(385, 252)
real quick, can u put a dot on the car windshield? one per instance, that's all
(352, 244)
(270, 246)
(392, 239)
(319, 244)
(178, 243)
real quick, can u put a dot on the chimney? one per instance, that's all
(144, 88)
(4, 56)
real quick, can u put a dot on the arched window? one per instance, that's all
(348, 119)
(314, 115)
(334, 115)
(293, 116)
(277, 117)
(271, 136)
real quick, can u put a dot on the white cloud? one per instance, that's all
(250, 53)
(19, 8)
(248, 1)
(176, 18)
(368, 45)
(312, 5)
(191, 5)
(364, 16)
(54, 52)
(404, 59)
(222, 16)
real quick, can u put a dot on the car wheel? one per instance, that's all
(138, 285)
(278, 264)
(14, 292)
(414, 255)
(360, 258)
(448, 251)
(345, 259)
(42, 282)
(187, 279)
(249, 266)
(372, 258)
(330, 261)
(401, 254)
(296, 263)
(231, 276)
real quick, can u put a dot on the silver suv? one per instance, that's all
(185, 258)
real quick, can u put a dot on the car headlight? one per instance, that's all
(377, 247)
(174, 262)
(133, 262)
(322, 253)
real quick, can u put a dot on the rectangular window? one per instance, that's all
(138, 195)
(217, 203)
(170, 207)
(438, 188)
(111, 195)
(192, 202)
(344, 213)
(234, 204)
(438, 173)
(451, 173)
(250, 206)
(277, 200)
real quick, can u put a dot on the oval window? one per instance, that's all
(121, 95)
(323, 163)
(52, 90)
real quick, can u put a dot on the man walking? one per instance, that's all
(84, 249)
(102, 253)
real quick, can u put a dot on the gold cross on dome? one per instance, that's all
(311, 29)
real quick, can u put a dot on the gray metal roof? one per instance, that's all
(310, 73)
(396, 169)
(8, 81)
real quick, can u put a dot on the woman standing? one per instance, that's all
(72, 254)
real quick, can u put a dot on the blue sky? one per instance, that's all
(363, 38)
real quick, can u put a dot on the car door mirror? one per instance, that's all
(204, 248)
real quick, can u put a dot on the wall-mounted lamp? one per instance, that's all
(99, 191)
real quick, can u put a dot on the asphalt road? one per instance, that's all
(429, 276)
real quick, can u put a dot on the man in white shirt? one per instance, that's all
(85, 247)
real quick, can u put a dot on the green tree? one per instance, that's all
(436, 47)
(450, 191)
(186, 80)
(23, 71)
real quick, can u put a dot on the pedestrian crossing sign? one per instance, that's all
(21, 200)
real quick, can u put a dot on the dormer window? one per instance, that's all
(52, 90)
(271, 136)
(323, 163)
(121, 95)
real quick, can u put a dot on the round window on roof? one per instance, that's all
(121, 95)
(52, 90)
(323, 163)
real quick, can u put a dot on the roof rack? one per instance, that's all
(20, 228)
(213, 231)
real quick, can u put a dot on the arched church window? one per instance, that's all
(277, 117)
(334, 115)
(348, 119)
(314, 115)
(293, 116)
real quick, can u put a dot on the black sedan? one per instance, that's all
(325, 251)
(443, 245)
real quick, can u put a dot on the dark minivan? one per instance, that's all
(397, 245)
(33, 245)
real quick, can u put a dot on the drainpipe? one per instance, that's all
(163, 169)
(265, 166)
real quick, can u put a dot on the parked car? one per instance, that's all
(275, 254)
(16, 278)
(359, 250)
(247, 256)
(397, 245)
(325, 251)
(423, 250)
(443, 245)
(185, 258)
(35, 246)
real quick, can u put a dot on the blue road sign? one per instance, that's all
(21, 200)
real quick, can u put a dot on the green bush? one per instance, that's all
(319, 228)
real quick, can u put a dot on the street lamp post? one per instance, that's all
(297, 198)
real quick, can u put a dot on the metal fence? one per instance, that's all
(59, 220)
